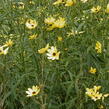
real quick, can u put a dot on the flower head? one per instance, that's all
(96, 9)
(8, 43)
(98, 47)
(58, 2)
(59, 23)
(105, 95)
(3, 51)
(31, 2)
(49, 20)
(31, 24)
(101, 107)
(21, 5)
(60, 38)
(107, 9)
(33, 37)
(93, 93)
(92, 70)
(84, 1)
(53, 54)
(43, 50)
(33, 91)
(70, 2)
(53, 23)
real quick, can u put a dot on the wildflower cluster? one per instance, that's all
(60, 45)
(55, 23)
(94, 93)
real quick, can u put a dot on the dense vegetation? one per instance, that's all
(54, 54)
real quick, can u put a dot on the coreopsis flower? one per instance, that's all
(33, 91)
(70, 2)
(60, 23)
(21, 5)
(8, 43)
(96, 9)
(66, 49)
(13, 5)
(101, 107)
(107, 9)
(84, 1)
(31, 2)
(98, 47)
(31, 24)
(93, 93)
(92, 70)
(43, 50)
(105, 95)
(33, 37)
(60, 38)
(53, 54)
(49, 20)
(58, 2)
(3, 51)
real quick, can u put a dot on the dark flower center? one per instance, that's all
(33, 92)
(54, 54)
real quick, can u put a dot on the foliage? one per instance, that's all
(62, 82)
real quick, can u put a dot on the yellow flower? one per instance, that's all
(93, 93)
(43, 50)
(92, 70)
(49, 20)
(107, 9)
(58, 2)
(14, 6)
(84, 1)
(66, 49)
(53, 54)
(98, 47)
(60, 23)
(101, 107)
(3, 51)
(96, 9)
(8, 43)
(20, 5)
(31, 24)
(33, 91)
(33, 37)
(31, 2)
(97, 88)
(105, 95)
(60, 38)
(70, 2)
